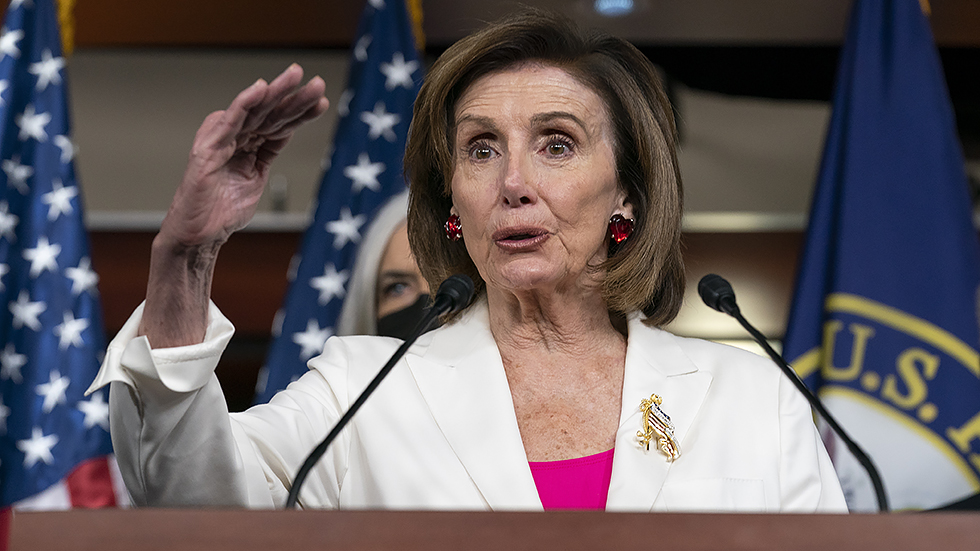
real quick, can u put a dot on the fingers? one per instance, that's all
(227, 124)
(304, 104)
(278, 90)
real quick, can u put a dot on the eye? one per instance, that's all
(481, 151)
(395, 289)
(558, 146)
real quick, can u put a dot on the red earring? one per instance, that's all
(620, 228)
(454, 228)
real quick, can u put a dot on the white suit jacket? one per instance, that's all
(441, 433)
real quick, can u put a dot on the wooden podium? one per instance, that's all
(211, 530)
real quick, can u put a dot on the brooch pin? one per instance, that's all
(657, 423)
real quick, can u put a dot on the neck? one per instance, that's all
(555, 322)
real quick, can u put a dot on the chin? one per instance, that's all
(528, 276)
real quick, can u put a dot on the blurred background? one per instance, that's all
(751, 82)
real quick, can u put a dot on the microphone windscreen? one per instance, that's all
(715, 291)
(458, 289)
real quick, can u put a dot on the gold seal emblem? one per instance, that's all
(657, 423)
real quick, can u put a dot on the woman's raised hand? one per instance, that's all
(233, 149)
(226, 173)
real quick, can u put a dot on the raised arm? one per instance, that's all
(226, 174)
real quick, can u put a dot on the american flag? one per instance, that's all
(53, 439)
(365, 170)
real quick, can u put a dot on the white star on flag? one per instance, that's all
(32, 124)
(53, 391)
(59, 199)
(10, 364)
(8, 222)
(48, 70)
(330, 284)
(326, 162)
(4, 270)
(4, 84)
(69, 332)
(312, 340)
(26, 312)
(67, 147)
(360, 49)
(381, 122)
(37, 448)
(83, 277)
(346, 229)
(364, 174)
(17, 174)
(398, 72)
(4, 413)
(277, 321)
(96, 411)
(8, 43)
(14, 4)
(343, 104)
(293, 268)
(377, 4)
(43, 257)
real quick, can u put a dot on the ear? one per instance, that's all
(625, 207)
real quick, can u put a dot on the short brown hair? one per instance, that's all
(647, 272)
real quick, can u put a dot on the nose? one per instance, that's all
(518, 188)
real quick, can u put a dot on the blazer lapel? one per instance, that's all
(460, 374)
(655, 364)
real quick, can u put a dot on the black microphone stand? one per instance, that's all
(718, 294)
(453, 294)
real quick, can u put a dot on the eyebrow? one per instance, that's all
(539, 119)
(476, 119)
(396, 274)
(542, 118)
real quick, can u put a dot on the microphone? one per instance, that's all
(454, 294)
(718, 294)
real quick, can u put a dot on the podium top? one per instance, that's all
(211, 530)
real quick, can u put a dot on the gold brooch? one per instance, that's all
(657, 423)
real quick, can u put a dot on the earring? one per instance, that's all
(454, 228)
(620, 228)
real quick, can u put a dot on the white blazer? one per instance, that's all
(441, 433)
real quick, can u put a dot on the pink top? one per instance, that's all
(580, 483)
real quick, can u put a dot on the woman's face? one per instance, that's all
(534, 181)
(400, 283)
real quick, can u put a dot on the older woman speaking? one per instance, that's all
(542, 165)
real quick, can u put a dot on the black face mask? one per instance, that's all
(401, 323)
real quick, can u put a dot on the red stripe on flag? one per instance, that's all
(90, 484)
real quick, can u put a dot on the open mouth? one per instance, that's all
(519, 238)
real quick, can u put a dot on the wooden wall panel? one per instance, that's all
(227, 23)
(331, 23)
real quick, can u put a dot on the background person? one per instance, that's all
(387, 293)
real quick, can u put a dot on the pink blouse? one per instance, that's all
(580, 483)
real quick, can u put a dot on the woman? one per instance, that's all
(543, 166)
(387, 294)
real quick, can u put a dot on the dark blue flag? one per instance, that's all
(884, 319)
(51, 334)
(365, 170)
